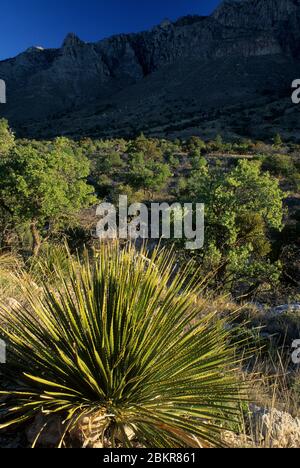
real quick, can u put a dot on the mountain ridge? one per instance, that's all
(93, 89)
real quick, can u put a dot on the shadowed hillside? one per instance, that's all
(229, 73)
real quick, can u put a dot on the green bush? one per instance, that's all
(279, 164)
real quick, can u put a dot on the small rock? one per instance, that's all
(280, 310)
(237, 441)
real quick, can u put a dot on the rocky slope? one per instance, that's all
(229, 73)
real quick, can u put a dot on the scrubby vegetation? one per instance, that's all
(92, 321)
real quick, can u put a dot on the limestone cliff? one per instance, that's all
(187, 72)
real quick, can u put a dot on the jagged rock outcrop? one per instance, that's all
(268, 428)
(196, 75)
(72, 40)
(255, 14)
(277, 428)
(277, 19)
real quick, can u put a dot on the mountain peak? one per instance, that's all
(34, 49)
(72, 40)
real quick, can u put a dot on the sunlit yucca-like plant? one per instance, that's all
(121, 341)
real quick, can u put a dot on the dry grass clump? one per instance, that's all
(273, 418)
(10, 265)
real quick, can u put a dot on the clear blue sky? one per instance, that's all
(25, 23)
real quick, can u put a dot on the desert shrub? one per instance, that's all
(120, 342)
(44, 187)
(244, 206)
(133, 196)
(147, 175)
(195, 144)
(7, 140)
(279, 164)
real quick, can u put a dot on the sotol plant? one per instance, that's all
(121, 344)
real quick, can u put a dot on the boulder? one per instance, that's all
(276, 428)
